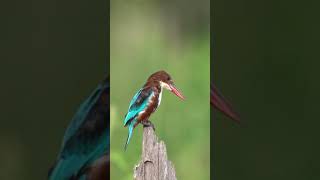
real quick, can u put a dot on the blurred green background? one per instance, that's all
(53, 55)
(147, 36)
(266, 62)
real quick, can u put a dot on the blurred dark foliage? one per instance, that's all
(267, 64)
(53, 54)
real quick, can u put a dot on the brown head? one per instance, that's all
(165, 81)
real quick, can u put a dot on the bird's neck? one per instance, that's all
(157, 89)
(160, 96)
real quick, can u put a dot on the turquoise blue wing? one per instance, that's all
(138, 103)
(87, 137)
(131, 114)
(81, 114)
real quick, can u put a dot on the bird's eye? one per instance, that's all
(168, 78)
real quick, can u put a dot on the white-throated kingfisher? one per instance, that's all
(147, 100)
(220, 103)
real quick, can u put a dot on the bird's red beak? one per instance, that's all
(175, 91)
(219, 102)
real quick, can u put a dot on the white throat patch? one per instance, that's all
(159, 99)
(165, 85)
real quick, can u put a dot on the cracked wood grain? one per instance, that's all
(154, 164)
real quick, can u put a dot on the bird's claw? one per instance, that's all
(148, 124)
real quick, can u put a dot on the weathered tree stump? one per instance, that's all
(154, 164)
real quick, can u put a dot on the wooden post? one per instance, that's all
(154, 164)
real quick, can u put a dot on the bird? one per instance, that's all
(147, 100)
(85, 148)
(220, 103)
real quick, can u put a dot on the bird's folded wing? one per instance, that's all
(138, 103)
(87, 135)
